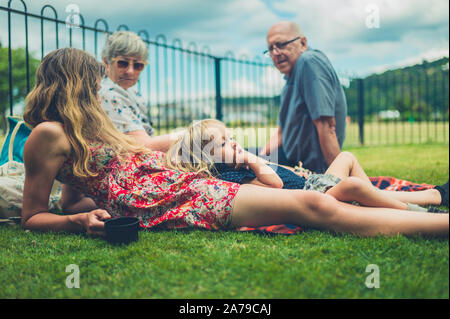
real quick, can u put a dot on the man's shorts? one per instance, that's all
(321, 182)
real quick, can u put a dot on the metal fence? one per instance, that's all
(184, 82)
(408, 105)
(181, 83)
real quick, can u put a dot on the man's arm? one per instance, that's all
(274, 143)
(326, 130)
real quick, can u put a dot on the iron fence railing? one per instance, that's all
(184, 82)
(408, 105)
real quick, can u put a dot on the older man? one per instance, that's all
(125, 56)
(311, 124)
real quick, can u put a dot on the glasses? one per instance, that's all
(123, 64)
(280, 46)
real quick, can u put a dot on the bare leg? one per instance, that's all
(346, 165)
(258, 206)
(354, 189)
(425, 197)
(356, 185)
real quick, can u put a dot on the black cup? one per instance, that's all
(122, 230)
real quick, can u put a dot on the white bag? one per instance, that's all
(12, 178)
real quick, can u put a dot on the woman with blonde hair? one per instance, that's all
(106, 174)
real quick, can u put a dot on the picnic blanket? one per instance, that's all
(273, 229)
(396, 184)
(381, 182)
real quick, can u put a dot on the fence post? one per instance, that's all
(219, 114)
(361, 110)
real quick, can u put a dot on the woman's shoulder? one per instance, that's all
(50, 133)
(49, 129)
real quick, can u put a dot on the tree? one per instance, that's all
(19, 78)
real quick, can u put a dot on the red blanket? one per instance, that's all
(382, 182)
(395, 184)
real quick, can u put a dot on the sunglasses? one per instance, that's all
(123, 64)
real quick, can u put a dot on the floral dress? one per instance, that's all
(160, 197)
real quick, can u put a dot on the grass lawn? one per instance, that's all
(375, 134)
(206, 264)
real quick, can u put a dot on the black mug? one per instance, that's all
(122, 230)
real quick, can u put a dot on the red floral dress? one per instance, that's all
(158, 196)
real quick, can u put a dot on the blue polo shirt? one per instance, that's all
(312, 90)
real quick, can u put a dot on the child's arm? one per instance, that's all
(264, 174)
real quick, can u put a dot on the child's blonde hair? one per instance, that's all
(191, 152)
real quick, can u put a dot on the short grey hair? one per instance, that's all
(125, 43)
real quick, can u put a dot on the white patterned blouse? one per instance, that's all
(126, 108)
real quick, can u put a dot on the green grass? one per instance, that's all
(201, 264)
(393, 133)
(207, 264)
(425, 163)
(375, 134)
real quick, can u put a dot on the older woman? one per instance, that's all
(125, 56)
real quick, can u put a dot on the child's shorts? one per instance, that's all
(321, 182)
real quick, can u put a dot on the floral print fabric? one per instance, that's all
(158, 196)
(126, 108)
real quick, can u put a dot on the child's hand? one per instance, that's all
(240, 156)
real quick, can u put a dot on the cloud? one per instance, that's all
(272, 6)
(430, 55)
(327, 24)
(407, 29)
(338, 28)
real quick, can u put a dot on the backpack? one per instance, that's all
(12, 174)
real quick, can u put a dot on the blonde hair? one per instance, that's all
(125, 43)
(66, 92)
(190, 152)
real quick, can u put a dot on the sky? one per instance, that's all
(359, 36)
